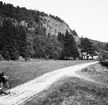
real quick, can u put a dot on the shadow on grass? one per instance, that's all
(104, 63)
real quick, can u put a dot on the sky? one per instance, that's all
(88, 17)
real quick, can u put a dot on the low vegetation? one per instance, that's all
(98, 72)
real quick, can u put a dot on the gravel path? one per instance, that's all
(23, 93)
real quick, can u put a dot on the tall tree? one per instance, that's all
(70, 46)
(9, 40)
(87, 46)
(106, 46)
(24, 46)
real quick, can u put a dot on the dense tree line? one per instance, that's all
(104, 54)
(17, 41)
(12, 40)
(70, 48)
(19, 14)
(87, 48)
(94, 48)
(56, 18)
(97, 45)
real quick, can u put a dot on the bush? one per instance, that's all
(103, 56)
(45, 47)
(10, 53)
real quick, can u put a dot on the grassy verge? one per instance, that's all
(20, 71)
(98, 72)
(72, 91)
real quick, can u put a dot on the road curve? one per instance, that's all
(23, 93)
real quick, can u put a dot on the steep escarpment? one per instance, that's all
(53, 27)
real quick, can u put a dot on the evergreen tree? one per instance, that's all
(106, 46)
(70, 47)
(9, 52)
(87, 46)
(60, 37)
(22, 41)
(24, 46)
(9, 40)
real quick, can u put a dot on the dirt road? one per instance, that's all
(23, 93)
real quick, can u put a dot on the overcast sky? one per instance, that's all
(88, 17)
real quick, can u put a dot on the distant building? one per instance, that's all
(85, 55)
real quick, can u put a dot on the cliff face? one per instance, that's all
(49, 26)
(53, 27)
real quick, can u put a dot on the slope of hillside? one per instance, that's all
(98, 44)
(53, 27)
(34, 20)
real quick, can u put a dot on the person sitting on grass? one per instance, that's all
(3, 83)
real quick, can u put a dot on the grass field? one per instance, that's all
(72, 91)
(20, 71)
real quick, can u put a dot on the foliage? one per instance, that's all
(23, 34)
(56, 18)
(104, 63)
(70, 46)
(21, 40)
(9, 40)
(12, 41)
(87, 46)
(9, 52)
(46, 50)
(17, 41)
(74, 32)
(98, 46)
(20, 13)
(106, 46)
(103, 55)
(60, 37)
